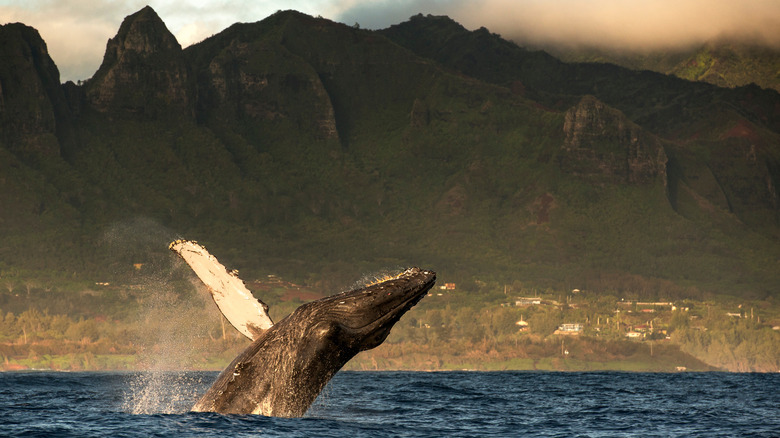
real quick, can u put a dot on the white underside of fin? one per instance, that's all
(246, 313)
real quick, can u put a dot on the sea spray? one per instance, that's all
(172, 317)
(170, 326)
(162, 392)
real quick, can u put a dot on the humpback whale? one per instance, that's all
(288, 363)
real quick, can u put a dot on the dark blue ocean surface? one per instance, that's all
(415, 404)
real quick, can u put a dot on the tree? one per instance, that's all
(679, 320)
(29, 285)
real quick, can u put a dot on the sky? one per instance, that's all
(76, 31)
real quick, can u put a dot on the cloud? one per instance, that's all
(632, 25)
(637, 24)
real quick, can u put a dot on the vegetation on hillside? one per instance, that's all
(317, 152)
(167, 323)
(724, 63)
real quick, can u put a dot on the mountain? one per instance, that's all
(695, 118)
(303, 147)
(721, 62)
(145, 53)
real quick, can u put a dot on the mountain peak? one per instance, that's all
(143, 64)
(31, 100)
(435, 20)
(427, 32)
(144, 33)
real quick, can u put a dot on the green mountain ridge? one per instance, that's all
(318, 151)
(720, 62)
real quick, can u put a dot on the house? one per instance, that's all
(642, 328)
(522, 301)
(646, 305)
(569, 329)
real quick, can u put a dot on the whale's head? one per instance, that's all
(361, 319)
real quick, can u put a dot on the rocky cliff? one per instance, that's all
(247, 74)
(32, 103)
(143, 72)
(601, 144)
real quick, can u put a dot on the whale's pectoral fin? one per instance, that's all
(247, 314)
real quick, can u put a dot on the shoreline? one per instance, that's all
(540, 365)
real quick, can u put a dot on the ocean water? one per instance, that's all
(404, 404)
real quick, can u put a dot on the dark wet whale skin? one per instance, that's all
(282, 372)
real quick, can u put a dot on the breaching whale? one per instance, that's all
(288, 363)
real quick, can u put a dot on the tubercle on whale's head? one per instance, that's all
(387, 276)
(363, 317)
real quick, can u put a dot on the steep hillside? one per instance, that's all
(314, 150)
(712, 124)
(723, 63)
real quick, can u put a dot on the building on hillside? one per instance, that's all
(569, 329)
(642, 306)
(643, 328)
(523, 301)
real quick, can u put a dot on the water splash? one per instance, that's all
(162, 392)
(169, 345)
(173, 319)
